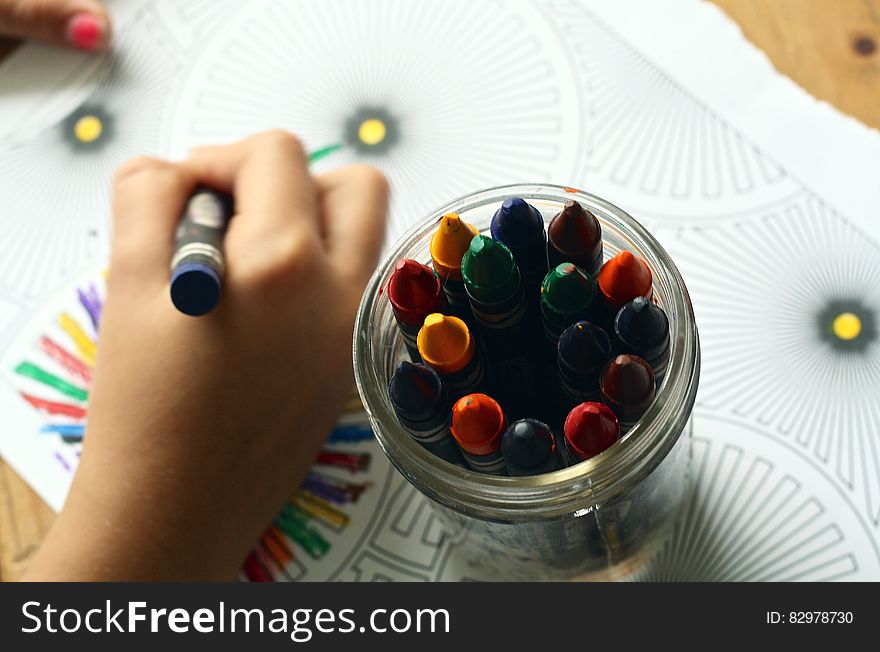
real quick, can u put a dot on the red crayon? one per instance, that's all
(590, 428)
(415, 292)
(627, 387)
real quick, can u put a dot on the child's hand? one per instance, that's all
(82, 24)
(200, 428)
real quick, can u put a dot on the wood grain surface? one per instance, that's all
(830, 47)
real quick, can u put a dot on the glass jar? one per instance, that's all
(600, 519)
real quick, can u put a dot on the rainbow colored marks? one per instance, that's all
(56, 376)
(307, 523)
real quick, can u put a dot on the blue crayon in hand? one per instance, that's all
(520, 227)
(421, 402)
(198, 264)
(529, 448)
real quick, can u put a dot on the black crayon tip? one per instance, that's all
(642, 325)
(527, 444)
(583, 346)
(415, 390)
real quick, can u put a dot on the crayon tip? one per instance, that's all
(448, 244)
(575, 232)
(590, 428)
(642, 323)
(623, 278)
(477, 424)
(583, 346)
(517, 223)
(488, 269)
(415, 390)
(627, 379)
(527, 444)
(414, 291)
(567, 290)
(445, 343)
(195, 289)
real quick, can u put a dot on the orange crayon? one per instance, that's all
(446, 345)
(448, 244)
(477, 425)
(622, 279)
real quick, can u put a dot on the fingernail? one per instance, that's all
(87, 32)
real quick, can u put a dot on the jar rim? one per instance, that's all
(568, 491)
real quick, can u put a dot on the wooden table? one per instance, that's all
(830, 47)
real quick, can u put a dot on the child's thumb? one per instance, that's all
(82, 24)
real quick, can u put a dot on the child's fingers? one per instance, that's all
(354, 202)
(268, 175)
(148, 199)
(82, 24)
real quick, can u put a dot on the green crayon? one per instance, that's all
(508, 327)
(566, 297)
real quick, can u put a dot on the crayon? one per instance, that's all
(566, 297)
(583, 351)
(520, 227)
(590, 428)
(529, 448)
(198, 263)
(446, 345)
(421, 403)
(509, 327)
(627, 387)
(415, 292)
(622, 279)
(642, 328)
(448, 245)
(575, 236)
(477, 425)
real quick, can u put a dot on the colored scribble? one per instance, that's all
(55, 380)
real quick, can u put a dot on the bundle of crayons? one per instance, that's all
(525, 328)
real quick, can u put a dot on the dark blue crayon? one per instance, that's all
(198, 264)
(421, 403)
(583, 351)
(529, 448)
(520, 227)
(510, 329)
(641, 328)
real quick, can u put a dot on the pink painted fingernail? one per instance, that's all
(86, 31)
